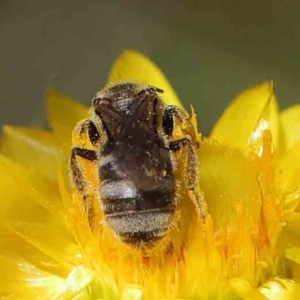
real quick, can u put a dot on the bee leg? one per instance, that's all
(192, 177)
(90, 155)
(79, 181)
(75, 169)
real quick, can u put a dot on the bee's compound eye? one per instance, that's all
(93, 133)
(167, 122)
(96, 101)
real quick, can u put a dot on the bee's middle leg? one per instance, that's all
(79, 180)
(192, 176)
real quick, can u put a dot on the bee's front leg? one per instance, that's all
(192, 176)
(77, 177)
(83, 162)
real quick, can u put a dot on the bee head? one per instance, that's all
(124, 97)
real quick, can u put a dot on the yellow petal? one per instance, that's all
(84, 295)
(226, 188)
(132, 293)
(51, 239)
(244, 290)
(134, 66)
(31, 274)
(290, 125)
(287, 171)
(17, 272)
(101, 288)
(243, 122)
(290, 238)
(28, 196)
(23, 281)
(23, 203)
(293, 254)
(33, 148)
(14, 247)
(17, 204)
(77, 280)
(280, 289)
(63, 114)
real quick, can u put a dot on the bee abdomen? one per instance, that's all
(145, 228)
(122, 196)
(138, 216)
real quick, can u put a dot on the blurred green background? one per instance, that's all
(210, 50)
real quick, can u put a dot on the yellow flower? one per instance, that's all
(247, 248)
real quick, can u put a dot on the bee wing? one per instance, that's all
(111, 120)
(145, 114)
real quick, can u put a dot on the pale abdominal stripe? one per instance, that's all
(137, 216)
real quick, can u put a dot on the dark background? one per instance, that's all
(210, 50)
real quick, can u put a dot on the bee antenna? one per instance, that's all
(95, 101)
(157, 89)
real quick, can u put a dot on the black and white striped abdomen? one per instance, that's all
(138, 215)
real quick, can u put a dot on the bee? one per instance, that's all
(129, 147)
